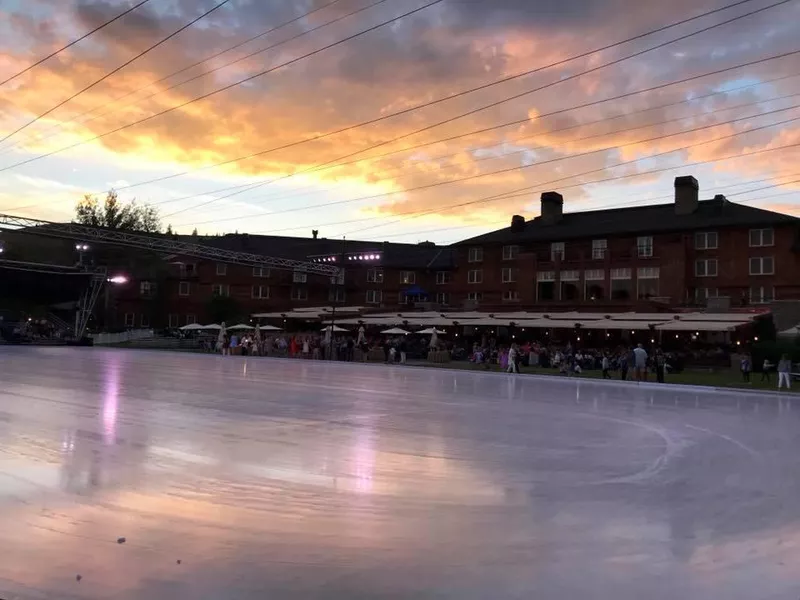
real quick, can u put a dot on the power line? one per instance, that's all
(510, 169)
(518, 122)
(116, 70)
(485, 107)
(474, 111)
(227, 87)
(72, 43)
(526, 191)
(205, 73)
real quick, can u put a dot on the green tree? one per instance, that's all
(114, 214)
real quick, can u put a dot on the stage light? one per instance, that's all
(118, 279)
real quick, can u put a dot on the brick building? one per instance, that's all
(676, 254)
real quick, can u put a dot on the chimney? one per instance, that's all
(517, 223)
(552, 207)
(314, 233)
(686, 195)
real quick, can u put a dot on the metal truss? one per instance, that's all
(160, 243)
(87, 302)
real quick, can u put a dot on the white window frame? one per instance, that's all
(475, 296)
(557, 251)
(761, 262)
(759, 235)
(261, 272)
(224, 289)
(599, 249)
(144, 321)
(762, 297)
(648, 273)
(706, 240)
(191, 319)
(374, 296)
(623, 274)
(173, 321)
(644, 246)
(375, 276)
(475, 276)
(408, 277)
(509, 274)
(569, 276)
(510, 252)
(545, 276)
(443, 277)
(147, 289)
(705, 293)
(475, 254)
(130, 319)
(703, 267)
(222, 269)
(299, 277)
(510, 296)
(443, 298)
(257, 292)
(337, 295)
(299, 293)
(594, 275)
(184, 288)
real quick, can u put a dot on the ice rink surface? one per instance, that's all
(286, 479)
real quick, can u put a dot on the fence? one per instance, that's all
(101, 339)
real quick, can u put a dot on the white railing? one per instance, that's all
(101, 339)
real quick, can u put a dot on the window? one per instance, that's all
(647, 282)
(762, 237)
(511, 296)
(260, 272)
(443, 298)
(706, 240)
(220, 289)
(594, 284)
(144, 320)
(408, 277)
(621, 285)
(509, 275)
(557, 251)
(644, 246)
(184, 288)
(475, 255)
(475, 296)
(260, 292)
(599, 248)
(338, 279)
(299, 277)
(174, 321)
(191, 319)
(443, 277)
(475, 276)
(375, 276)
(545, 285)
(761, 294)
(147, 289)
(569, 285)
(705, 267)
(299, 292)
(337, 295)
(374, 296)
(188, 269)
(763, 265)
(130, 320)
(701, 295)
(510, 252)
(222, 269)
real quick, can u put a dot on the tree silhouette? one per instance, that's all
(113, 214)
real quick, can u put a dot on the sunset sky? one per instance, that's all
(445, 49)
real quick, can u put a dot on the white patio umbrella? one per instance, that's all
(213, 326)
(434, 333)
(334, 328)
(395, 331)
(222, 332)
(270, 328)
(431, 331)
(192, 327)
(240, 327)
(257, 333)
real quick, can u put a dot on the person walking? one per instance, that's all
(785, 372)
(746, 366)
(640, 362)
(512, 359)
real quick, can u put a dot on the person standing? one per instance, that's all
(765, 370)
(403, 345)
(785, 372)
(606, 365)
(640, 362)
(746, 366)
(623, 366)
(661, 362)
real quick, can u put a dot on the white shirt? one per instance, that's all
(640, 356)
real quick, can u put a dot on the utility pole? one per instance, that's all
(335, 283)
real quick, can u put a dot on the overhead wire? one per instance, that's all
(227, 87)
(464, 114)
(115, 70)
(72, 43)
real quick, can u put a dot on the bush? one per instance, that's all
(773, 350)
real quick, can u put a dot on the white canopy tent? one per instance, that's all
(212, 327)
(335, 329)
(241, 327)
(430, 331)
(192, 327)
(395, 331)
(791, 332)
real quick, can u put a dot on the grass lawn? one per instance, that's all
(731, 379)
